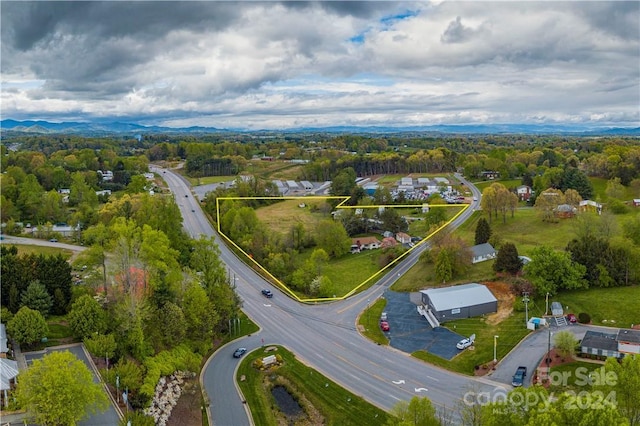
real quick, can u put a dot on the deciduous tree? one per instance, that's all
(87, 317)
(27, 326)
(416, 412)
(59, 390)
(565, 343)
(550, 271)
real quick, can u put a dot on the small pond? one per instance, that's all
(285, 401)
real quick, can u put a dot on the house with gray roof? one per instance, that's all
(625, 341)
(482, 252)
(460, 301)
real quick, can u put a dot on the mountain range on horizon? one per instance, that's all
(105, 128)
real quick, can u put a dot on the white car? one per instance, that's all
(464, 343)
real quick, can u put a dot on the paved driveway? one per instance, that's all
(410, 332)
(532, 349)
(106, 418)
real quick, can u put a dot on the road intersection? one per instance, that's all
(323, 336)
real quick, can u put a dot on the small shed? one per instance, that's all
(556, 309)
(482, 252)
(460, 301)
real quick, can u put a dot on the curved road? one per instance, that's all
(323, 336)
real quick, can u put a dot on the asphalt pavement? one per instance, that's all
(410, 331)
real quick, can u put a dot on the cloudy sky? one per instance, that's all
(293, 64)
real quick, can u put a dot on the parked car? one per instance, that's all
(267, 293)
(53, 240)
(518, 378)
(384, 326)
(572, 318)
(383, 316)
(464, 344)
(239, 352)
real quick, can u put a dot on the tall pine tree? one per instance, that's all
(483, 231)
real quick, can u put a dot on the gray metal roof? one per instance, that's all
(3, 339)
(627, 335)
(598, 340)
(459, 296)
(483, 250)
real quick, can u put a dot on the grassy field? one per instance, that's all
(613, 307)
(282, 216)
(422, 275)
(509, 183)
(352, 270)
(576, 374)
(47, 251)
(335, 404)
(526, 230)
(369, 322)
(510, 332)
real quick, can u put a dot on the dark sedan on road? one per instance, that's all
(239, 352)
(267, 293)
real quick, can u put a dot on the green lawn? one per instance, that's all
(572, 376)
(352, 270)
(613, 307)
(508, 183)
(47, 251)
(510, 332)
(369, 322)
(335, 404)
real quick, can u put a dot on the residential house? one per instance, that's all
(636, 202)
(403, 238)
(585, 205)
(490, 174)
(625, 341)
(523, 192)
(365, 243)
(388, 242)
(598, 343)
(482, 252)
(107, 175)
(628, 341)
(565, 211)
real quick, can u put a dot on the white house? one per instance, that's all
(364, 243)
(483, 252)
(403, 238)
(523, 192)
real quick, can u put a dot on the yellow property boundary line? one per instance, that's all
(339, 206)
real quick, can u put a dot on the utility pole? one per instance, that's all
(546, 309)
(495, 349)
(525, 299)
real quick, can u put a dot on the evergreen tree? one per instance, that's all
(507, 259)
(483, 231)
(37, 298)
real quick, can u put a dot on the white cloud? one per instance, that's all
(283, 65)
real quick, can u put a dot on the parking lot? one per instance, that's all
(410, 332)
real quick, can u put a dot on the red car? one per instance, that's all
(572, 318)
(384, 326)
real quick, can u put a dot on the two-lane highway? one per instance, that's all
(323, 336)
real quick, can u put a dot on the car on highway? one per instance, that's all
(572, 318)
(239, 352)
(267, 293)
(464, 344)
(193, 210)
(518, 378)
(384, 325)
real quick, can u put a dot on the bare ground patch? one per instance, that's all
(502, 292)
